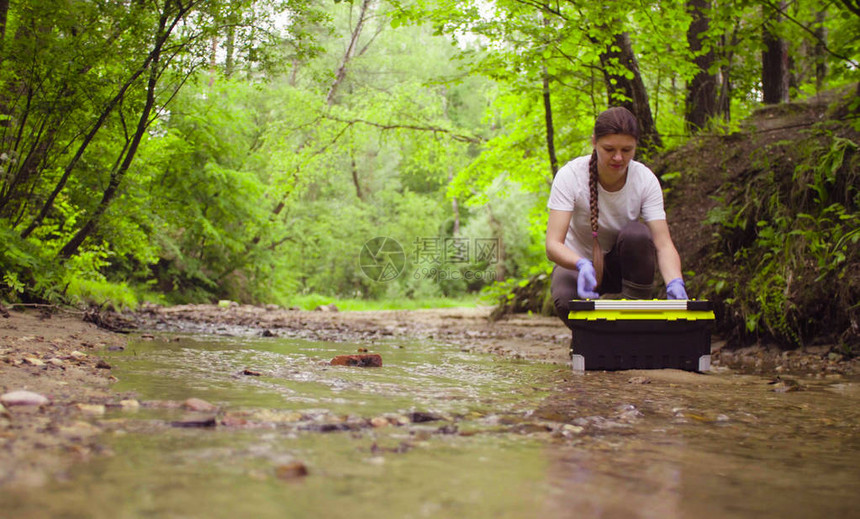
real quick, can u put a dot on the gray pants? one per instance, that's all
(628, 269)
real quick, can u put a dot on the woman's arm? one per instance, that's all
(556, 231)
(668, 259)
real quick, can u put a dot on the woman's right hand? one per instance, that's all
(587, 280)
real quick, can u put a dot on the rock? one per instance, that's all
(91, 409)
(116, 348)
(326, 308)
(196, 404)
(419, 417)
(33, 361)
(129, 405)
(570, 429)
(639, 380)
(55, 362)
(77, 355)
(291, 470)
(365, 360)
(101, 364)
(379, 421)
(196, 420)
(251, 373)
(23, 398)
(268, 333)
(448, 429)
(79, 430)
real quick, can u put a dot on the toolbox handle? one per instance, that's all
(584, 305)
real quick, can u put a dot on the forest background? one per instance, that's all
(295, 152)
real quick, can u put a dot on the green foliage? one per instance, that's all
(272, 139)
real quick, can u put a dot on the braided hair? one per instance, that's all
(616, 120)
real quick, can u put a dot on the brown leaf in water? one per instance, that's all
(291, 470)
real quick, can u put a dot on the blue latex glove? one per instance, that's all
(587, 280)
(676, 289)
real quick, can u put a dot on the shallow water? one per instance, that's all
(469, 435)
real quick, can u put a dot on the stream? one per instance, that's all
(440, 432)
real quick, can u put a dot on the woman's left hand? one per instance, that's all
(676, 289)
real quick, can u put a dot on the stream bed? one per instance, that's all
(440, 432)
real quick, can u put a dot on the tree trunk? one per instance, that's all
(550, 130)
(106, 111)
(340, 75)
(701, 91)
(230, 50)
(117, 175)
(629, 93)
(819, 53)
(355, 179)
(774, 61)
(455, 206)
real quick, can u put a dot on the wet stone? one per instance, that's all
(129, 405)
(367, 360)
(91, 409)
(196, 404)
(639, 380)
(33, 361)
(195, 420)
(23, 398)
(379, 421)
(421, 417)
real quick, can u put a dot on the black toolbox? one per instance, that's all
(641, 334)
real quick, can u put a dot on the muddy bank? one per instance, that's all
(55, 356)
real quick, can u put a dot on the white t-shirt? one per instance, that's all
(641, 196)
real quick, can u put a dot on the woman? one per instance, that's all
(595, 205)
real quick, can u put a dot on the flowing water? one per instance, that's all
(439, 432)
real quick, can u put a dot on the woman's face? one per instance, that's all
(614, 152)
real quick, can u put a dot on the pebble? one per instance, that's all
(55, 362)
(33, 361)
(195, 420)
(196, 404)
(572, 429)
(23, 398)
(77, 355)
(379, 421)
(129, 404)
(91, 409)
(367, 360)
(639, 380)
(79, 430)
